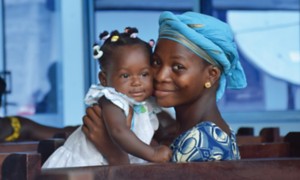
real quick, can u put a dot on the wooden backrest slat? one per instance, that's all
(248, 140)
(270, 134)
(48, 146)
(265, 150)
(30, 146)
(249, 169)
(20, 165)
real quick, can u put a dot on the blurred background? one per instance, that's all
(46, 57)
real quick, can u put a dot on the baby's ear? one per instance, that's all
(102, 78)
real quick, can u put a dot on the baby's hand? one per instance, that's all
(162, 153)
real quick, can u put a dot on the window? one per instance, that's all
(32, 55)
(267, 35)
(270, 52)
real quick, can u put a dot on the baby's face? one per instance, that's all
(130, 73)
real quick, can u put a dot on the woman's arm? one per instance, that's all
(116, 125)
(95, 130)
(167, 130)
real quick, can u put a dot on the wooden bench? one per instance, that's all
(241, 169)
(245, 135)
(20, 166)
(265, 150)
(265, 157)
(255, 149)
(26, 146)
(245, 131)
(2, 158)
(48, 146)
(44, 147)
(293, 138)
(289, 147)
(23, 160)
(269, 160)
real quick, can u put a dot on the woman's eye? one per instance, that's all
(124, 75)
(178, 67)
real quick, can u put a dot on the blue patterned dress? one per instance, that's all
(205, 142)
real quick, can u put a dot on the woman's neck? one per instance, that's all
(203, 109)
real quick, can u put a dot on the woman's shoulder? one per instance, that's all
(206, 131)
(213, 129)
(204, 142)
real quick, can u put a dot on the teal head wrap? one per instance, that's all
(209, 38)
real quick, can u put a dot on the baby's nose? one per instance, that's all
(136, 81)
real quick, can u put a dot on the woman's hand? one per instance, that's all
(95, 130)
(93, 126)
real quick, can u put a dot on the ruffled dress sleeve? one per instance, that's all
(122, 101)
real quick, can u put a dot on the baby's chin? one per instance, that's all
(137, 99)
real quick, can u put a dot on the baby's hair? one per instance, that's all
(114, 40)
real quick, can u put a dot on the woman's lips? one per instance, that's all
(161, 93)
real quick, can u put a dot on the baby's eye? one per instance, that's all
(156, 62)
(145, 74)
(124, 75)
(178, 67)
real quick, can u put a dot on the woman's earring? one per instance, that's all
(207, 85)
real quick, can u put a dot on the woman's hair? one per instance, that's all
(113, 41)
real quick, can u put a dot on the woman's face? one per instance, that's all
(179, 74)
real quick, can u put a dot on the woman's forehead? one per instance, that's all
(166, 47)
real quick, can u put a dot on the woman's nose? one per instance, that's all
(161, 74)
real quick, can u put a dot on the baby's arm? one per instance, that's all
(115, 121)
(95, 130)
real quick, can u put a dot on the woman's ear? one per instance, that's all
(102, 78)
(214, 74)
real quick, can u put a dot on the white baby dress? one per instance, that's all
(79, 151)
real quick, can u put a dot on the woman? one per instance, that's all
(194, 61)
